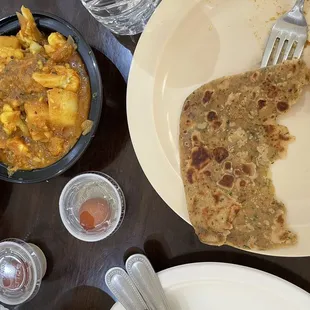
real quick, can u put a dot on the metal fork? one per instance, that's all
(290, 30)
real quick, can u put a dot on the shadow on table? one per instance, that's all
(156, 251)
(112, 132)
(5, 194)
(84, 297)
(129, 42)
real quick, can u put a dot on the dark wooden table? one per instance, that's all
(76, 269)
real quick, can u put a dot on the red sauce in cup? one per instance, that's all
(93, 212)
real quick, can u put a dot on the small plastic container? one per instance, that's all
(91, 185)
(22, 267)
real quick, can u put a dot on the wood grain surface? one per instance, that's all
(76, 270)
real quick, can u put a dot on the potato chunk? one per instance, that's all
(9, 41)
(63, 107)
(65, 78)
(37, 120)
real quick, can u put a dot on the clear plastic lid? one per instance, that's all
(20, 272)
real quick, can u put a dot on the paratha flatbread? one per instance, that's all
(229, 137)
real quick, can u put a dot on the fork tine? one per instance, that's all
(298, 50)
(289, 47)
(279, 49)
(269, 47)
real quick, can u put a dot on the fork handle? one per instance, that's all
(300, 5)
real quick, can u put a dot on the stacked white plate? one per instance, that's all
(218, 286)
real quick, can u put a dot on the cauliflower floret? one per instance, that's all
(29, 31)
(17, 146)
(55, 146)
(7, 108)
(9, 52)
(62, 107)
(65, 78)
(59, 49)
(6, 41)
(11, 120)
(35, 47)
(37, 120)
(55, 41)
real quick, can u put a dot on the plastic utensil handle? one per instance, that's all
(146, 280)
(119, 283)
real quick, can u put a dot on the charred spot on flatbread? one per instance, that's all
(216, 125)
(237, 172)
(216, 197)
(255, 76)
(186, 106)
(227, 181)
(195, 140)
(270, 88)
(242, 183)
(212, 116)
(190, 174)
(284, 137)
(207, 173)
(261, 104)
(269, 128)
(220, 154)
(282, 106)
(249, 169)
(280, 219)
(207, 96)
(200, 157)
(228, 165)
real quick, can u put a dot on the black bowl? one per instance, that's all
(48, 23)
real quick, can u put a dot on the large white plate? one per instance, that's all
(218, 286)
(188, 43)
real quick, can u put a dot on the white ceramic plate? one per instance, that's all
(217, 286)
(186, 44)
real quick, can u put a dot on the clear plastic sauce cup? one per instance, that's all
(22, 267)
(92, 187)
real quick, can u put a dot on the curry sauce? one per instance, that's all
(44, 97)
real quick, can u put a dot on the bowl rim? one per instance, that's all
(72, 157)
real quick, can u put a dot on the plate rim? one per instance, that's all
(131, 112)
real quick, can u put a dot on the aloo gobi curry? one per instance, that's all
(44, 97)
